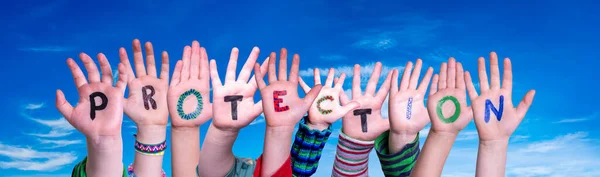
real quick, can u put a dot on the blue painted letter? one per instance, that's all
(498, 112)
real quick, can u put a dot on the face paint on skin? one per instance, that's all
(147, 97)
(452, 118)
(94, 107)
(363, 118)
(196, 112)
(498, 112)
(322, 99)
(233, 99)
(409, 108)
(277, 101)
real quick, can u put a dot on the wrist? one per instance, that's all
(318, 126)
(496, 145)
(280, 130)
(221, 137)
(151, 134)
(402, 138)
(100, 144)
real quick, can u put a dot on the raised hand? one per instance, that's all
(147, 102)
(447, 102)
(495, 116)
(406, 104)
(326, 109)
(99, 112)
(238, 93)
(281, 104)
(366, 122)
(188, 96)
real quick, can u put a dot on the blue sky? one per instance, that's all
(552, 45)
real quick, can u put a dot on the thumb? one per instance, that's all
(347, 108)
(63, 106)
(525, 103)
(312, 95)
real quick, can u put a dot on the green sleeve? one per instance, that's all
(79, 169)
(400, 163)
(307, 148)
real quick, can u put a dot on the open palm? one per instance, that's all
(406, 104)
(240, 91)
(375, 124)
(102, 121)
(326, 109)
(281, 104)
(188, 96)
(447, 104)
(147, 102)
(495, 116)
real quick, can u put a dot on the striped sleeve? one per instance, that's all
(306, 150)
(352, 157)
(400, 163)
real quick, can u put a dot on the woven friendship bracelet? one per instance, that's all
(131, 174)
(150, 149)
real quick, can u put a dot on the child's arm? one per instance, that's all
(147, 107)
(189, 106)
(282, 108)
(362, 126)
(399, 148)
(494, 131)
(449, 114)
(98, 115)
(217, 158)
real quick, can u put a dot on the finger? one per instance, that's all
(312, 95)
(90, 66)
(344, 98)
(394, 87)
(304, 86)
(138, 59)
(425, 82)
(257, 109)
(247, 68)
(295, 69)
(460, 76)
(434, 85)
(195, 61)
(283, 64)
(483, 79)
(507, 78)
(443, 76)
(451, 80)
(214, 74)
(177, 73)
(107, 76)
(186, 59)
(372, 84)
(125, 61)
(78, 76)
(263, 69)
(494, 71)
(346, 109)
(122, 82)
(272, 65)
(232, 66)
(339, 82)
(63, 106)
(356, 91)
(406, 76)
(260, 82)
(204, 67)
(164, 69)
(414, 78)
(385, 87)
(329, 80)
(317, 76)
(150, 60)
(470, 87)
(525, 103)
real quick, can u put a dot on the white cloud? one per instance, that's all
(259, 119)
(554, 144)
(59, 128)
(578, 119)
(379, 42)
(47, 49)
(30, 159)
(60, 143)
(467, 135)
(33, 106)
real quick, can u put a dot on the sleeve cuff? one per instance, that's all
(285, 170)
(400, 163)
(352, 156)
(306, 150)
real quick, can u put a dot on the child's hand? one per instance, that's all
(366, 122)
(147, 102)
(326, 109)
(495, 116)
(447, 104)
(406, 105)
(281, 104)
(99, 112)
(188, 96)
(238, 92)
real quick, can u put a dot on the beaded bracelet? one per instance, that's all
(131, 174)
(150, 149)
